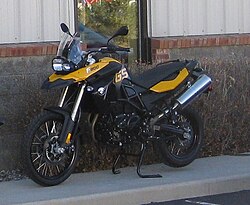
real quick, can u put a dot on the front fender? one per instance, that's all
(68, 124)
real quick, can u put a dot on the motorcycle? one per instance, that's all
(122, 109)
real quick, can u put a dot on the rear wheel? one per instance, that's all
(46, 162)
(179, 151)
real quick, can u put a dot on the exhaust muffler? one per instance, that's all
(200, 86)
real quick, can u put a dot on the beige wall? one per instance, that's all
(198, 17)
(25, 21)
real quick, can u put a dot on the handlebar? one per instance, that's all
(112, 49)
(109, 49)
(103, 50)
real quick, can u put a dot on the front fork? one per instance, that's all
(77, 102)
(69, 118)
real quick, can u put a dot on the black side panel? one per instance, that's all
(106, 73)
(151, 98)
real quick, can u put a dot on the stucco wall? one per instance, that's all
(20, 99)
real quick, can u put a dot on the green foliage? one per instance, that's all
(107, 17)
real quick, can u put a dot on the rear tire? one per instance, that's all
(179, 151)
(43, 160)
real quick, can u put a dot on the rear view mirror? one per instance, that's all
(64, 28)
(123, 31)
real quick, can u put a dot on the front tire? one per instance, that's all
(180, 151)
(45, 162)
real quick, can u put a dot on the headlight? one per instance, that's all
(57, 64)
(60, 65)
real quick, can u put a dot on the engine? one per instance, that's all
(127, 121)
(119, 129)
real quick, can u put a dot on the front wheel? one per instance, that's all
(179, 151)
(45, 162)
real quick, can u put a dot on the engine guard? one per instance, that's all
(68, 124)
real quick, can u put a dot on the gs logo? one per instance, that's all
(122, 74)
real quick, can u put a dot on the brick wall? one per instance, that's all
(161, 47)
(33, 49)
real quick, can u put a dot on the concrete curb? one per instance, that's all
(158, 193)
(205, 176)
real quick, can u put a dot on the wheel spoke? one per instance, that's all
(57, 168)
(38, 156)
(53, 129)
(50, 171)
(178, 151)
(172, 147)
(36, 143)
(40, 166)
(44, 131)
(47, 128)
(44, 169)
(39, 139)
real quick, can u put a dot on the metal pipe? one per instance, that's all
(63, 96)
(194, 91)
(77, 103)
(93, 127)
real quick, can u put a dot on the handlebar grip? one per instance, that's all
(123, 49)
(114, 49)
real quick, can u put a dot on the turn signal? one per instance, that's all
(68, 138)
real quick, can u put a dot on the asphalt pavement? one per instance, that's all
(205, 176)
(234, 198)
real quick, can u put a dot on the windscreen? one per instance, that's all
(75, 53)
(62, 44)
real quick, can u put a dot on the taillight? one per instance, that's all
(209, 89)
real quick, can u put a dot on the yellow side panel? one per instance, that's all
(165, 86)
(83, 73)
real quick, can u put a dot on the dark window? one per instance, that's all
(99, 19)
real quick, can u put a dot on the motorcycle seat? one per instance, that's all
(159, 73)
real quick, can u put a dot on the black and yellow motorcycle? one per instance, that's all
(121, 109)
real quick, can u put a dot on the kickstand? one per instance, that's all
(142, 152)
(114, 170)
